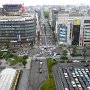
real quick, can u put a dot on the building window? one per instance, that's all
(86, 21)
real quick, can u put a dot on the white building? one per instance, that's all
(84, 38)
(8, 77)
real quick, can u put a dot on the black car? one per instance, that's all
(86, 65)
(40, 70)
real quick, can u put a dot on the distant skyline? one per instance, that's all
(46, 2)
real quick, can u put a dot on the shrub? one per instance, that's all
(25, 56)
(64, 57)
(69, 61)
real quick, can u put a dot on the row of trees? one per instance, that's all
(74, 53)
(46, 14)
(54, 37)
(12, 58)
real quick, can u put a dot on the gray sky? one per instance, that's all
(46, 2)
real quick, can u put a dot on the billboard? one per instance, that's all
(76, 22)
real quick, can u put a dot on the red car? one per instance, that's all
(80, 87)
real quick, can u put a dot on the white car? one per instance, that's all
(76, 80)
(73, 74)
(75, 61)
(88, 87)
(66, 89)
(65, 74)
(40, 62)
(73, 83)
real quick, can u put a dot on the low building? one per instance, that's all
(8, 78)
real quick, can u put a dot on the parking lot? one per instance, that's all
(73, 77)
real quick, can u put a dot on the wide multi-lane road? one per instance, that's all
(39, 54)
(46, 35)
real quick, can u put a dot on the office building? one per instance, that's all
(84, 38)
(67, 29)
(17, 28)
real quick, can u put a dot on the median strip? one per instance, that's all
(50, 83)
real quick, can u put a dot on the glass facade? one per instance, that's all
(62, 33)
(20, 31)
(75, 34)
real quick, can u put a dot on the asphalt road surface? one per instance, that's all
(37, 78)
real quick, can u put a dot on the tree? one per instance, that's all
(25, 57)
(74, 51)
(54, 37)
(1, 54)
(53, 29)
(13, 62)
(7, 44)
(46, 14)
(65, 52)
(64, 55)
(24, 62)
(38, 35)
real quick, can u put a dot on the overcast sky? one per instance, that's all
(46, 2)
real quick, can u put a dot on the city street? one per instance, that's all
(37, 77)
(38, 68)
(31, 36)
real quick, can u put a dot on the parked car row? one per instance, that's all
(75, 78)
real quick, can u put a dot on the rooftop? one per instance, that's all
(17, 18)
(6, 78)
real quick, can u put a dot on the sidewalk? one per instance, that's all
(28, 63)
(17, 66)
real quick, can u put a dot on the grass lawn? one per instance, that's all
(50, 83)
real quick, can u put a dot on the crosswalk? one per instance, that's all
(34, 58)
